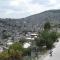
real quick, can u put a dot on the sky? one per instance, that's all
(24, 8)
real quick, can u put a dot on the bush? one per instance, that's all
(46, 38)
(15, 52)
(27, 51)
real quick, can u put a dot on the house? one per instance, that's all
(27, 44)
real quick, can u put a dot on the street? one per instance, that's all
(55, 53)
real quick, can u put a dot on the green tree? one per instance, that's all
(22, 40)
(27, 51)
(5, 34)
(16, 51)
(4, 55)
(46, 38)
(47, 26)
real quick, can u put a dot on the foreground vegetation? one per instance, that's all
(15, 52)
(46, 37)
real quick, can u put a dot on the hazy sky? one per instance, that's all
(23, 8)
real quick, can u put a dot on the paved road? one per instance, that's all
(55, 54)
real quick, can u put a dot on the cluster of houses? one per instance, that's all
(29, 36)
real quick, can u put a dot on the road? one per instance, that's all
(55, 54)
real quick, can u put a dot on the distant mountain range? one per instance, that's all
(31, 22)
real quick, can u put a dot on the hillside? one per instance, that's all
(32, 22)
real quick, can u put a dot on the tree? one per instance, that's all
(4, 55)
(27, 51)
(46, 38)
(16, 51)
(47, 26)
(5, 34)
(22, 40)
(42, 37)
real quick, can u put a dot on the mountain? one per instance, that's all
(15, 27)
(38, 20)
(31, 22)
(50, 15)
